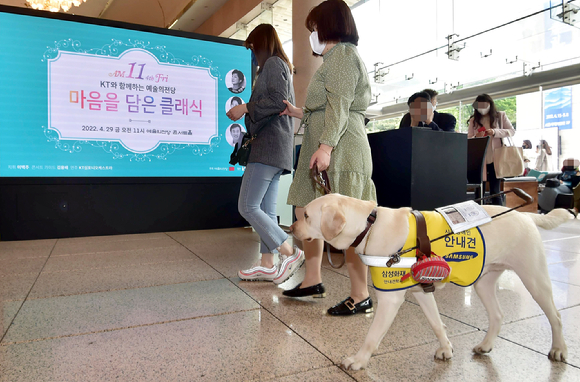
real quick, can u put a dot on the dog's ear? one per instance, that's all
(332, 221)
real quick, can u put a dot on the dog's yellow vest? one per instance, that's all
(464, 252)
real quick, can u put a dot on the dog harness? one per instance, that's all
(464, 252)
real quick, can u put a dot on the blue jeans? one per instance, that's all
(257, 204)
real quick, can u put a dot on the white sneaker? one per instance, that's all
(289, 265)
(258, 273)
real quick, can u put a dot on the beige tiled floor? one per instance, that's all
(169, 307)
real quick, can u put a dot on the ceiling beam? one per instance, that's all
(227, 16)
(157, 13)
(550, 79)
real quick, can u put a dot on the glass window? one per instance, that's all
(496, 40)
(383, 124)
(549, 116)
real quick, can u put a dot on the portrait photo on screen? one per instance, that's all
(233, 101)
(234, 134)
(236, 81)
(115, 101)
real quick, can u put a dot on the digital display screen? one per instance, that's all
(85, 100)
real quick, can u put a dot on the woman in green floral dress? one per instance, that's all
(335, 140)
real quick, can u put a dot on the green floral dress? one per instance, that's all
(338, 96)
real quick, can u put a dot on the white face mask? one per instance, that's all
(317, 46)
(483, 111)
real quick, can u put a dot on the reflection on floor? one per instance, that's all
(169, 307)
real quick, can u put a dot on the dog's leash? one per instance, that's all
(321, 178)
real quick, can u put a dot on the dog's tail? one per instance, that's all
(551, 220)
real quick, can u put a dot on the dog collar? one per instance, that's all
(370, 221)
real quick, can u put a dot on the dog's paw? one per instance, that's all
(558, 355)
(482, 348)
(355, 363)
(444, 352)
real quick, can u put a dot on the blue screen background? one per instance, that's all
(26, 150)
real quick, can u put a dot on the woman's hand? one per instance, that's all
(237, 112)
(480, 134)
(292, 111)
(321, 157)
(490, 132)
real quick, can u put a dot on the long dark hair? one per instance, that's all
(546, 147)
(493, 114)
(264, 38)
(334, 22)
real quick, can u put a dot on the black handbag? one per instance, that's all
(242, 154)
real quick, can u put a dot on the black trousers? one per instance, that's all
(494, 185)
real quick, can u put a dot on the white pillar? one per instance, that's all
(305, 64)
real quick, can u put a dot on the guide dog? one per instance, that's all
(512, 242)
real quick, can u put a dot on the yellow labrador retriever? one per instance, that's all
(512, 242)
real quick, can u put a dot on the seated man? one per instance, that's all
(444, 121)
(570, 172)
(421, 111)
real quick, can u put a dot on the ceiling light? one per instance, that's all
(54, 5)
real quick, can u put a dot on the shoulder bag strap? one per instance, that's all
(272, 117)
(508, 138)
(264, 124)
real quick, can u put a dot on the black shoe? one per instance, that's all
(348, 307)
(317, 291)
